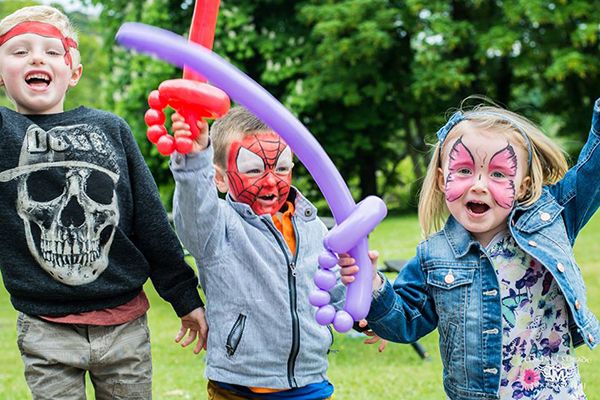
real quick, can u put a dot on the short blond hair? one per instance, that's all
(548, 161)
(237, 123)
(49, 15)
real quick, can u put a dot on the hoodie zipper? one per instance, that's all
(293, 299)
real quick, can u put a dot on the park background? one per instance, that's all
(372, 80)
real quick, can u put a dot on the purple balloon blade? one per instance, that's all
(358, 225)
(177, 50)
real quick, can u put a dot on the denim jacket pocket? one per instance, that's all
(450, 287)
(447, 277)
(235, 335)
(539, 217)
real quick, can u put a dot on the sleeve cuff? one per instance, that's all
(383, 301)
(192, 161)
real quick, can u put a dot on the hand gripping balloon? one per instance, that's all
(191, 96)
(354, 222)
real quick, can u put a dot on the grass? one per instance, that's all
(358, 371)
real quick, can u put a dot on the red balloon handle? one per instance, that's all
(193, 100)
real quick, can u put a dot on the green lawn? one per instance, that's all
(358, 371)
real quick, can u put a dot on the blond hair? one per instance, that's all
(548, 162)
(238, 122)
(49, 15)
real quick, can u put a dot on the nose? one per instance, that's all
(480, 185)
(270, 179)
(36, 57)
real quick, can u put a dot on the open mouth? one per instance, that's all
(269, 197)
(38, 80)
(477, 207)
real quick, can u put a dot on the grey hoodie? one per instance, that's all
(262, 327)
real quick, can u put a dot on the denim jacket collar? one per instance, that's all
(458, 237)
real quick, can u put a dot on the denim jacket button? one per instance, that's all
(532, 243)
(449, 279)
(561, 268)
(577, 305)
(545, 216)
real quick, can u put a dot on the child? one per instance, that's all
(256, 253)
(499, 281)
(83, 226)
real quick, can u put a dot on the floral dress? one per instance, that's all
(537, 359)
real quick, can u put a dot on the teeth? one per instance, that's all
(38, 76)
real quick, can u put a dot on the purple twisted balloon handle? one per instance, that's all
(354, 222)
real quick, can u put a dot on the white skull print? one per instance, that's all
(66, 197)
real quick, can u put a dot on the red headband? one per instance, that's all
(42, 29)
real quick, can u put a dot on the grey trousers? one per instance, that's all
(57, 356)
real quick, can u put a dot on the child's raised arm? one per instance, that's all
(579, 191)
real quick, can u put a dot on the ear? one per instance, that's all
(440, 180)
(524, 187)
(221, 179)
(76, 75)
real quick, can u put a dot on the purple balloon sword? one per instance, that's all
(354, 222)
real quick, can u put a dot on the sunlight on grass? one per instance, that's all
(357, 371)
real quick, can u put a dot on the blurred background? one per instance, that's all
(371, 79)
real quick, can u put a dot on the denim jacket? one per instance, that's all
(262, 327)
(467, 309)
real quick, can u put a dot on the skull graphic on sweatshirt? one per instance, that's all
(66, 197)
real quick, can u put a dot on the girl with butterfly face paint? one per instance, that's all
(496, 273)
(483, 175)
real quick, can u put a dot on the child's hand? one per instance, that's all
(181, 129)
(349, 268)
(374, 337)
(195, 322)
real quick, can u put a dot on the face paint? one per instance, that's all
(503, 170)
(259, 171)
(42, 29)
(461, 167)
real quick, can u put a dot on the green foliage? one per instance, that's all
(371, 79)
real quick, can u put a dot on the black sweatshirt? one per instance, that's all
(82, 225)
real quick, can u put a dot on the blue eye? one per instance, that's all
(464, 171)
(497, 174)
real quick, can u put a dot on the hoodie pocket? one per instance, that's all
(235, 335)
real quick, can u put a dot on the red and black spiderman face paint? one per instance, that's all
(499, 174)
(259, 172)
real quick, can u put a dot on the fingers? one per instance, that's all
(200, 345)
(344, 260)
(382, 346)
(346, 280)
(180, 334)
(362, 323)
(190, 338)
(374, 256)
(202, 126)
(353, 270)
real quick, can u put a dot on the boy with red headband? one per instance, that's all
(256, 253)
(83, 226)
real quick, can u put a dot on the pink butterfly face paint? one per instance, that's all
(503, 171)
(461, 168)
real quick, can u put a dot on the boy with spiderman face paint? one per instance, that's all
(256, 253)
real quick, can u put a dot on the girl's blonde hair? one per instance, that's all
(49, 15)
(548, 162)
